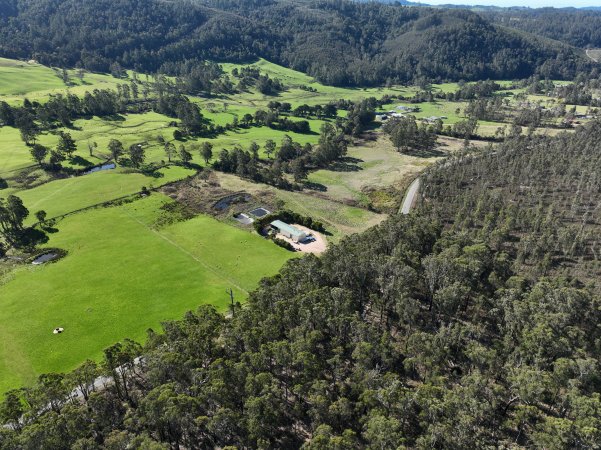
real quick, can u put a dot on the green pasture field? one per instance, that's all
(63, 196)
(129, 129)
(14, 154)
(20, 80)
(120, 277)
(136, 128)
(436, 108)
(296, 96)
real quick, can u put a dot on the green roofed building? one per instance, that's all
(288, 231)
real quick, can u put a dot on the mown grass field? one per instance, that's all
(14, 154)
(120, 277)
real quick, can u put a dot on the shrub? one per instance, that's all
(284, 244)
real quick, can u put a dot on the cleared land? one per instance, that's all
(297, 96)
(318, 244)
(20, 80)
(340, 219)
(121, 276)
(371, 166)
(594, 54)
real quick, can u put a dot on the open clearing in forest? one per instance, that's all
(594, 54)
(372, 166)
(339, 219)
(120, 277)
(21, 79)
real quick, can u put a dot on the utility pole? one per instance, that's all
(230, 292)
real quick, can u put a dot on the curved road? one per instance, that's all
(590, 55)
(409, 200)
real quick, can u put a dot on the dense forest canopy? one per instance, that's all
(542, 191)
(578, 27)
(339, 42)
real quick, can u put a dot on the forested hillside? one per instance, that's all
(463, 326)
(338, 42)
(536, 198)
(581, 28)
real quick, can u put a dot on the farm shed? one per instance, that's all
(288, 231)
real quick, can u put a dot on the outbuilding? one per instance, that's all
(288, 231)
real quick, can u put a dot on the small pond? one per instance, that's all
(260, 212)
(107, 166)
(226, 202)
(45, 258)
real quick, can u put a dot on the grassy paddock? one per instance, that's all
(70, 194)
(119, 278)
(20, 80)
(372, 165)
(297, 96)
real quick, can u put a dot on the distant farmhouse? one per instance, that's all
(404, 108)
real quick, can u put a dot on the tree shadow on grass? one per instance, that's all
(80, 161)
(114, 118)
(346, 164)
(49, 228)
(425, 153)
(315, 186)
(153, 174)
